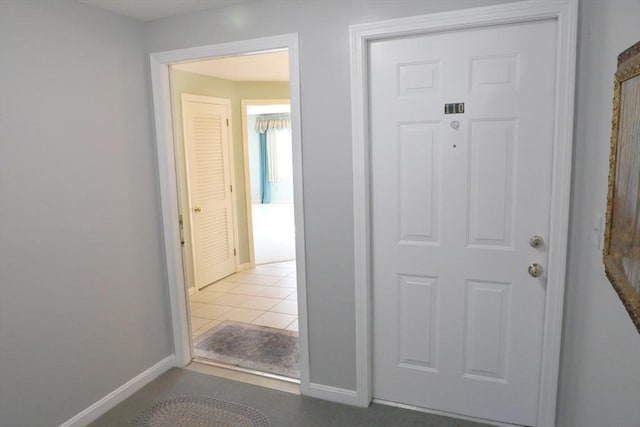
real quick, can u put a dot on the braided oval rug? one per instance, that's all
(200, 411)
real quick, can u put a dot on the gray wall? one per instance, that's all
(323, 28)
(83, 299)
(83, 305)
(600, 371)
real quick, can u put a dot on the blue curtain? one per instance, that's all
(265, 185)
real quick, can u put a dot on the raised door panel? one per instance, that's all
(418, 184)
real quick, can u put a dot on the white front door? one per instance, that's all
(455, 200)
(208, 158)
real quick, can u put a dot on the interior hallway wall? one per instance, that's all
(323, 28)
(600, 370)
(82, 280)
(83, 293)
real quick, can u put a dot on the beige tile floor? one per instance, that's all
(265, 295)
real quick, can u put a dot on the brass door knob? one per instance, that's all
(197, 209)
(535, 270)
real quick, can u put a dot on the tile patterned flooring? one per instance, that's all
(265, 295)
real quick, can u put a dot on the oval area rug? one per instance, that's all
(200, 411)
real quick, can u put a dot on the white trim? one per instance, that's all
(301, 259)
(560, 207)
(100, 407)
(565, 13)
(159, 64)
(234, 192)
(361, 213)
(169, 205)
(247, 182)
(244, 266)
(205, 99)
(247, 178)
(332, 394)
(191, 256)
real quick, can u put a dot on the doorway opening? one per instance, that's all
(242, 303)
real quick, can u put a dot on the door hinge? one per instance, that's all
(227, 122)
(231, 189)
(234, 252)
(181, 229)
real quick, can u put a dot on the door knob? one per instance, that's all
(536, 242)
(197, 209)
(535, 270)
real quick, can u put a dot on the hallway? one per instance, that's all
(265, 295)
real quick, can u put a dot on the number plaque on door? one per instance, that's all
(454, 108)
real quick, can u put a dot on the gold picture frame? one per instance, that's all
(622, 231)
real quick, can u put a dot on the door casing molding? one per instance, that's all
(159, 68)
(565, 13)
(244, 103)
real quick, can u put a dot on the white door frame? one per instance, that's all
(159, 67)
(565, 13)
(247, 178)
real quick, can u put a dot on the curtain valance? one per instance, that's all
(267, 122)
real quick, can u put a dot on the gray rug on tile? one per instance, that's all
(200, 411)
(253, 347)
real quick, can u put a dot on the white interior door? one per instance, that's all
(455, 200)
(208, 158)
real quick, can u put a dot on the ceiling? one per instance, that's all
(149, 10)
(267, 67)
(263, 67)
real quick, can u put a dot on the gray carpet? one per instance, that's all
(282, 409)
(259, 348)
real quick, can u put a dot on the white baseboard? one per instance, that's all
(94, 411)
(243, 266)
(333, 394)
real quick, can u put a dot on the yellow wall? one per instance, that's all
(197, 84)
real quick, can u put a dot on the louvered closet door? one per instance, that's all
(208, 173)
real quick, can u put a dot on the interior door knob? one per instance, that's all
(535, 270)
(197, 209)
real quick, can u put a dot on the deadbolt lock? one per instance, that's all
(535, 270)
(536, 242)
